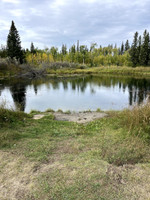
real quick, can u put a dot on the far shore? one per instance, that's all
(34, 72)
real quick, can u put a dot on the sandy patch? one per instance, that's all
(38, 116)
(81, 117)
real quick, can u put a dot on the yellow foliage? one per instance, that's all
(39, 58)
(50, 58)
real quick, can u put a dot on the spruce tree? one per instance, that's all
(145, 49)
(139, 50)
(32, 48)
(127, 46)
(122, 48)
(14, 44)
(134, 51)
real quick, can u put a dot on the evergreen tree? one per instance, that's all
(14, 44)
(119, 51)
(134, 51)
(139, 49)
(145, 49)
(127, 45)
(32, 48)
(122, 48)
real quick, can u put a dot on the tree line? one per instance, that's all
(136, 54)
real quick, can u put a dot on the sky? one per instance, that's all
(49, 23)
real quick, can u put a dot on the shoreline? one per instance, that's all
(141, 72)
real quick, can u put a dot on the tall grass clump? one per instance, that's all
(10, 123)
(10, 116)
(137, 120)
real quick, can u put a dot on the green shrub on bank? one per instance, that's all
(9, 117)
(9, 67)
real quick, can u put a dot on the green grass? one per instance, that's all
(63, 160)
(113, 70)
(9, 117)
(140, 71)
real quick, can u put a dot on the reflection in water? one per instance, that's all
(138, 90)
(89, 92)
(19, 96)
(35, 89)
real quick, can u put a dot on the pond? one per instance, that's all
(74, 94)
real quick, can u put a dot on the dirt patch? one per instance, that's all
(40, 116)
(81, 117)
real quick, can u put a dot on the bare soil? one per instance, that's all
(80, 117)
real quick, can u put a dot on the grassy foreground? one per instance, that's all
(107, 159)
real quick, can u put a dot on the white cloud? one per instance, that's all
(57, 5)
(36, 12)
(53, 22)
(5, 25)
(11, 1)
(89, 1)
(16, 12)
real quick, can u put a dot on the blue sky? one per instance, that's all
(49, 23)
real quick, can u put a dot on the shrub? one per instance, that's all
(9, 116)
(59, 65)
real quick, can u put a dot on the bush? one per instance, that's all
(9, 66)
(59, 65)
(9, 116)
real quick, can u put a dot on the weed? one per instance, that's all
(59, 110)
(50, 110)
(98, 110)
(67, 112)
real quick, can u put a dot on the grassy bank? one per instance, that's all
(113, 70)
(9, 68)
(101, 160)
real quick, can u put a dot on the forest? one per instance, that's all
(135, 54)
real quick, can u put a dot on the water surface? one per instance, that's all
(75, 94)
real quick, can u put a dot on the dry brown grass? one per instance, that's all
(137, 120)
